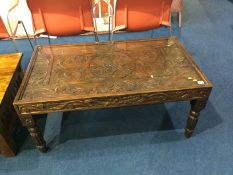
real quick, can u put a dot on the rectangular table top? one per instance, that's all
(63, 73)
(8, 65)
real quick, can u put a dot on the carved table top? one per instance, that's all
(8, 65)
(105, 74)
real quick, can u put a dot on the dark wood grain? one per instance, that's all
(103, 75)
(196, 107)
(33, 130)
(11, 75)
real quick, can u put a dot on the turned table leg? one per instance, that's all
(196, 107)
(30, 123)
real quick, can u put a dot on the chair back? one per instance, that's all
(139, 15)
(3, 30)
(61, 17)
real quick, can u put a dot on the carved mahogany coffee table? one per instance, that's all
(104, 75)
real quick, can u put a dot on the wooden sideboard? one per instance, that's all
(11, 75)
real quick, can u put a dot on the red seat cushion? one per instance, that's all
(3, 30)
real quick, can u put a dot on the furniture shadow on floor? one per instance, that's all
(209, 119)
(115, 121)
(164, 123)
(131, 120)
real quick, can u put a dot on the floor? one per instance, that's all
(148, 139)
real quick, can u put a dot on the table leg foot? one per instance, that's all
(196, 107)
(42, 149)
(33, 130)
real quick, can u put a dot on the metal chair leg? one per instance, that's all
(35, 40)
(180, 19)
(180, 22)
(14, 44)
(21, 22)
(170, 27)
(109, 28)
(94, 21)
(96, 36)
(12, 34)
(49, 39)
(95, 31)
(112, 33)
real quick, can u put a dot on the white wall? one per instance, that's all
(21, 12)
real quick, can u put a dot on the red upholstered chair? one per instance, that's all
(139, 15)
(4, 33)
(62, 17)
(3, 30)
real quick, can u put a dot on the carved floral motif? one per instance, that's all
(115, 101)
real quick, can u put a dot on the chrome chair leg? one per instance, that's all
(96, 36)
(109, 28)
(49, 39)
(112, 33)
(35, 40)
(14, 44)
(21, 22)
(170, 27)
(94, 21)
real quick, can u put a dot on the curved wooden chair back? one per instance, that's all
(139, 15)
(61, 17)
